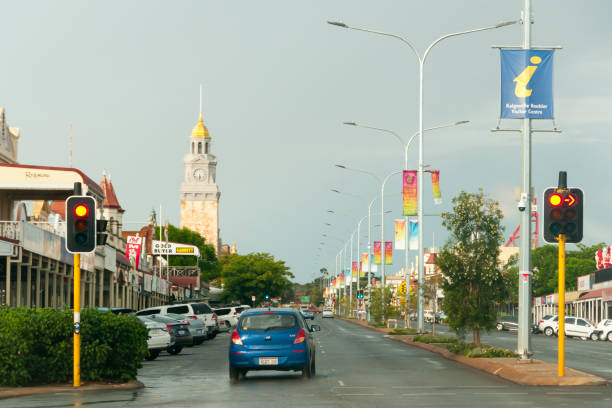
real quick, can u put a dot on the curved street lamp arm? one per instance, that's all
(397, 136)
(359, 171)
(416, 53)
(507, 23)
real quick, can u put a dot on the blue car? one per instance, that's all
(272, 339)
(307, 314)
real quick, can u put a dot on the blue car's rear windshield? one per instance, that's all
(268, 321)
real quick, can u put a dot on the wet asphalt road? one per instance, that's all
(356, 367)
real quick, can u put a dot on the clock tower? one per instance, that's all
(199, 192)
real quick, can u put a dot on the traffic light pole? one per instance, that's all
(524, 283)
(561, 313)
(76, 368)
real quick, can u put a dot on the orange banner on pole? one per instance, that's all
(364, 264)
(377, 252)
(400, 234)
(435, 183)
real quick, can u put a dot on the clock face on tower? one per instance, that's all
(199, 174)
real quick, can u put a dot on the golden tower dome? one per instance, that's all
(199, 130)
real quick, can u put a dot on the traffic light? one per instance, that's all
(80, 224)
(267, 297)
(360, 294)
(563, 212)
(101, 234)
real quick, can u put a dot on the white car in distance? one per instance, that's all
(327, 312)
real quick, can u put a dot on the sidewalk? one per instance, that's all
(9, 392)
(532, 373)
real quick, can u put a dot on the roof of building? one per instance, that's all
(199, 130)
(110, 198)
(59, 207)
(184, 281)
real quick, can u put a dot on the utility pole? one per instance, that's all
(524, 284)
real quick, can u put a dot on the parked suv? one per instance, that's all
(192, 310)
(228, 316)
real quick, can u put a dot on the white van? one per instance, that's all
(192, 310)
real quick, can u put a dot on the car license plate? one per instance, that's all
(181, 332)
(199, 331)
(268, 360)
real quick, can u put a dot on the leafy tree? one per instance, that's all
(255, 274)
(208, 262)
(469, 261)
(545, 264)
(376, 305)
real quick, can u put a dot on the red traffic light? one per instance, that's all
(555, 200)
(81, 210)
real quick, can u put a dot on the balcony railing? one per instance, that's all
(11, 230)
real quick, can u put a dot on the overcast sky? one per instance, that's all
(278, 83)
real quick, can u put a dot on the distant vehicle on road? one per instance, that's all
(307, 314)
(327, 313)
(277, 339)
(507, 323)
(196, 327)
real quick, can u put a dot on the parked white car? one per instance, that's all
(160, 338)
(606, 329)
(546, 321)
(198, 310)
(578, 327)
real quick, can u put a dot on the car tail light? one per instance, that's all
(234, 313)
(186, 323)
(165, 330)
(192, 317)
(301, 336)
(168, 325)
(236, 338)
(214, 316)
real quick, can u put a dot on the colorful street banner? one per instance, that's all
(409, 192)
(526, 84)
(400, 234)
(435, 184)
(132, 250)
(354, 270)
(377, 253)
(364, 264)
(373, 267)
(413, 244)
(361, 275)
(347, 277)
(388, 253)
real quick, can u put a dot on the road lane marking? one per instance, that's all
(572, 393)
(500, 393)
(359, 395)
(446, 386)
(423, 394)
(341, 383)
(438, 365)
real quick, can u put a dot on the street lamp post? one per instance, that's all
(405, 149)
(382, 227)
(421, 60)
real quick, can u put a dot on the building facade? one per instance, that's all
(199, 192)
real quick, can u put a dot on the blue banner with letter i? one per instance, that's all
(526, 84)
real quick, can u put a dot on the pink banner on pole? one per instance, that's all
(409, 192)
(354, 270)
(388, 253)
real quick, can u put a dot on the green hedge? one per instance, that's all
(36, 346)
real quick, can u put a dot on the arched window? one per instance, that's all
(192, 148)
(206, 147)
(199, 147)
